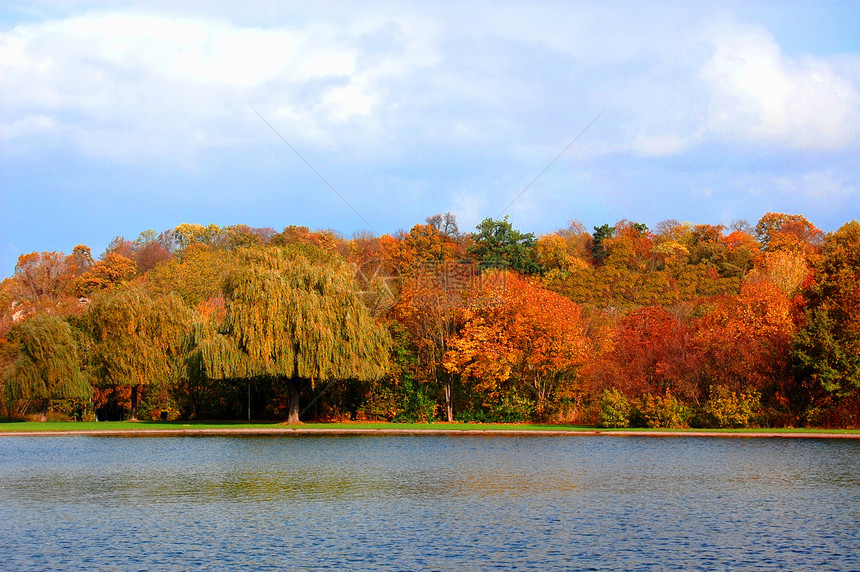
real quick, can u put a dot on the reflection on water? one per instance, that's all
(426, 502)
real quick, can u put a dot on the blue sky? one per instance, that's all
(121, 117)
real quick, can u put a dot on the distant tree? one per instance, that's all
(82, 258)
(551, 253)
(421, 248)
(239, 236)
(45, 279)
(779, 231)
(196, 276)
(446, 225)
(325, 239)
(598, 248)
(150, 248)
(498, 243)
(47, 366)
(112, 270)
(187, 234)
(119, 245)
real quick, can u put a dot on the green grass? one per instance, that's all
(29, 426)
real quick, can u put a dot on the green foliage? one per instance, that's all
(821, 357)
(615, 409)
(418, 403)
(663, 411)
(598, 246)
(726, 409)
(196, 277)
(827, 350)
(294, 312)
(136, 339)
(497, 243)
(47, 366)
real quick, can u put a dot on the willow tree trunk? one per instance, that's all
(293, 388)
(133, 403)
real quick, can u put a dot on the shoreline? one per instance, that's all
(365, 432)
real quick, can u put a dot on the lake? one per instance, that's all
(429, 503)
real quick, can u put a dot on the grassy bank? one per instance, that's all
(226, 426)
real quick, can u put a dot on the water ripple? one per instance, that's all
(430, 503)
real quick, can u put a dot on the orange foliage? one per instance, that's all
(112, 270)
(325, 239)
(651, 353)
(779, 231)
(423, 245)
(515, 330)
(44, 282)
(212, 310)
(746, 340)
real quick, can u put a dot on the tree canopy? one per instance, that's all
(293, 313)
(47, 366)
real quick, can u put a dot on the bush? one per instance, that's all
(615, 409)
(418, 405)
(727, 409)
(507, 409)
(512, 409)
(663, 411)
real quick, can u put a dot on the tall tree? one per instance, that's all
(446, 224)
(47, 366)
(598, 246)
(827, 349)
(429, 308)
(293, 314)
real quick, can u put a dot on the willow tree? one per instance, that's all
(47, 366)
(136, 339)
(295, 315)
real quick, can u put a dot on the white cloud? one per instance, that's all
(141, 85)
(138, 85)
(660, 145)
(818, 185)
(30, 125)
(759, 93)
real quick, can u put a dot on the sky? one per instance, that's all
(118, 117)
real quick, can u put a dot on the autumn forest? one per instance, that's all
(682, 325)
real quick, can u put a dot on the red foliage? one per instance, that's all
(652, 353)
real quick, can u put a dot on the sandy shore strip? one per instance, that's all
(335, 432)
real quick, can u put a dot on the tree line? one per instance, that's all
(683, 325)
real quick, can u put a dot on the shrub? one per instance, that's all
(727, 409)
(664, 411)
(507, 409)
(615, 409)
(418, 405)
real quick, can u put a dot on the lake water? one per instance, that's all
(429, 503)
